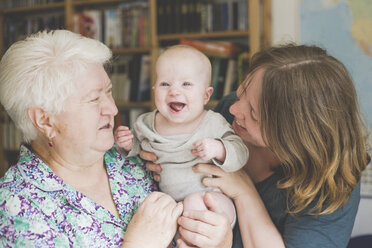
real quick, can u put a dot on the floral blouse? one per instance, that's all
(38, 209)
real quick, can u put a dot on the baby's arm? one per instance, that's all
(124, 138)
(209, 148)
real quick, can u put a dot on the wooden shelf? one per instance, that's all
(220, 34)
(94, 2)
(21, 10)
(131, 50)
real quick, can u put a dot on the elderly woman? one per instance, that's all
(298, 114)
(70, 187)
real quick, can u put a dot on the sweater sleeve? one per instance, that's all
(236, 151)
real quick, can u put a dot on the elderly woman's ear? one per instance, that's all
(42, 121)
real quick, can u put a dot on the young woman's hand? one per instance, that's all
(155, 222)
(150, 165)
(210, 228)
(233, 184)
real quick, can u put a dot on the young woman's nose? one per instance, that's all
(234, 109)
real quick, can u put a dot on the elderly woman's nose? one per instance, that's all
(109, 106)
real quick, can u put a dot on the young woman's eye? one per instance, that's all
(164, 84)
(186, 84)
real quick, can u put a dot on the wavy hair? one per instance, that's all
(311, 120)
(41, 71)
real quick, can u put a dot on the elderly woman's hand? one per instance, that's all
(209, 228)
(155, 222)
(150, 165)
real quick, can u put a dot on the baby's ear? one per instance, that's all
(208, 93)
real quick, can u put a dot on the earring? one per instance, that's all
(50, 144)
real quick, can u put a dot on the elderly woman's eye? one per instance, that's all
(94, 99)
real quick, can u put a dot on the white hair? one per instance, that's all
(41, 71)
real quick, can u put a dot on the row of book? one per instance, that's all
(9, 4)
(125, 26)
(184, 16)
(17, 28)
(130, 77)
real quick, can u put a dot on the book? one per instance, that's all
(216, 48)
(134, 72)
(242, 66)
(242, 15)
(215, 73)
(89, 24)
(144, 88)
(160, 11)
(109, 23)
(231, 77)
(221, 77)
(120, 80)
(134, 24)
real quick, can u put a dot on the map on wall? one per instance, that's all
(344, 28)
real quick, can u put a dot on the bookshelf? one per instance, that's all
(255, 35)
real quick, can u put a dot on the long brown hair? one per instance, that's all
(310, 119)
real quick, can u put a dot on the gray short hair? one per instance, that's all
(41, 71)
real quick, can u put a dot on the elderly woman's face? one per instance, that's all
(247, 116)
(86, 124)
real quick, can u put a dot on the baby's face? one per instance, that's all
(181, 88)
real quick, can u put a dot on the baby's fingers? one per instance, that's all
(122, 139)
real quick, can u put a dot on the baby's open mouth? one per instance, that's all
(176, 106)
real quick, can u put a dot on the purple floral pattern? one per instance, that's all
(38, 209)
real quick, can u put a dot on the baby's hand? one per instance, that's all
(208, 149)
(124, 138)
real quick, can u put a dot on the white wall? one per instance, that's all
(285, 17)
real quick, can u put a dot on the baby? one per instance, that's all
(182, 133)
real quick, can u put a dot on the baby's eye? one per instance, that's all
(164, 84)
(186, 84)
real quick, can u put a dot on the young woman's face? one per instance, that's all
(246, 110)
